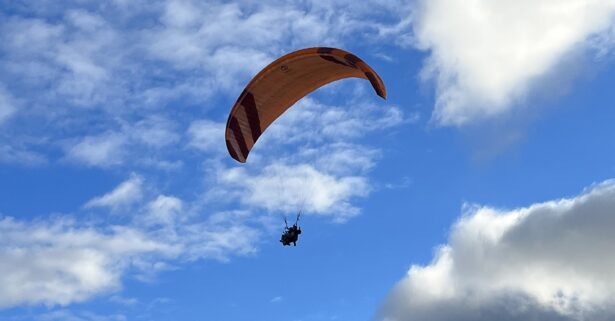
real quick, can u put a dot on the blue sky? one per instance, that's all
(481, 189)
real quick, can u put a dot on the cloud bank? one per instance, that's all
(548, 261)
(62, 260)
(485, 56)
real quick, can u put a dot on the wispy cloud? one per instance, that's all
(98, 77)
(103, 150)
(153, 131)
(71, 315)
(20, 155)
(125, 194)
(164, 211)
(123, 300)
(311, 121)
(207, 136)
(548, 261)
(154, 136)
(222, 235)
(7, 105)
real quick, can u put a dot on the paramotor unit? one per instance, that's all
(291, 234)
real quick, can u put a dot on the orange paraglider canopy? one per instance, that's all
(281, 84)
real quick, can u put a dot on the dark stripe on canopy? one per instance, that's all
(374, 82)
(241, 141)
(353, 59)
(249, 105)
(335, 60)
(231, 149)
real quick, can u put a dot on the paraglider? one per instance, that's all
(280, 85)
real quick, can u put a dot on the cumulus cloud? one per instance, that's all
(486, 55)
(287, 188)
(548, 261)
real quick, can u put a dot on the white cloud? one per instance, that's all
(232, 41)
(125, 194)
(73, 58)
(220, 241)
(59, 262)
(288, 188)
(85, 71)
(153, 131)
(153, 136)
(549, 261)
(102, 150)
(207, 135)
(164, 210)
(343, 158)
(485, 55)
